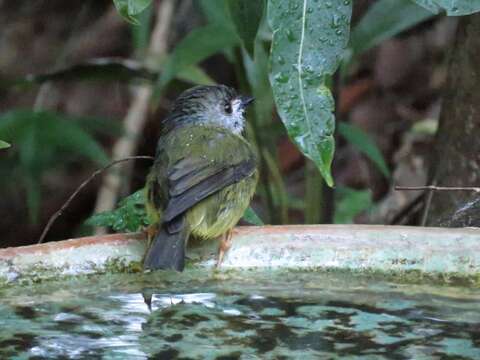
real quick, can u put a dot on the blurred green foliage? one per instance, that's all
(307, 44)
(251, 217)
(246, 17)
(43, 140)
(4, 145)
(283, 52)
(364, 143)
(385, 19)
(350, 203)
(130, 9)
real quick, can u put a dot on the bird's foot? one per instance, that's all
(224, 246)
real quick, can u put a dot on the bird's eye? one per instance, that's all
(228, 108)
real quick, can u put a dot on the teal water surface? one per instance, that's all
(249, 315)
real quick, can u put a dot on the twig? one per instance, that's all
(409, 210)
(428, 203)
(82, 185)
(431, 189)
(438, 188)
(136, 117)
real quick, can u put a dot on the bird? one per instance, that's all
(203, 177)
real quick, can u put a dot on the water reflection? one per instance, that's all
(308, 316)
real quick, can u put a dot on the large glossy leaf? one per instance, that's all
(4, 145)
(246, 15)
(309, 39)
(383, 20)
(364, 143)
(130, 9)
(452, 7)
(198, 45)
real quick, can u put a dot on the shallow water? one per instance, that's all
(251, 315)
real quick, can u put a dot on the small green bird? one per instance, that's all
(204, 174)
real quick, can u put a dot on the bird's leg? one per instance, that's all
(224, 246)
(151, 231)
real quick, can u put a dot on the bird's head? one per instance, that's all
(216, 105)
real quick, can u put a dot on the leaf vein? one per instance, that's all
(300, 64)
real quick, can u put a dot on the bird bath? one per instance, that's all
(282, 292)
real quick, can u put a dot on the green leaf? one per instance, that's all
(130, 215)
(251, 217)
(452, 7)
(42, 141)
(246, 15)
(217, 12)
(198, 45)
(72, 138)
(100, 126)
(129, 9)
(383, 20)
(48, 131)
(34, 195)
(31, 168)
(309, 39)
(141, 33)
(4, 145)
(195, 75)
(365, 144)
(349, 203)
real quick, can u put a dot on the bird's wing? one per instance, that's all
(191, 180)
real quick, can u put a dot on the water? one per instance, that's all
(294, 315)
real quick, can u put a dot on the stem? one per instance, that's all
(82, 185)
(328, 204)
(438, 188)
(281, 191)
(313, 193)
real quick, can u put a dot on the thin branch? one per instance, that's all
(438, 188)
(428, 203)
(54, 217)
(409, 210)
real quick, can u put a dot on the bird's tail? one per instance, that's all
(167, 250)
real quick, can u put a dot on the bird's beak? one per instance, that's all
(246, 100)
